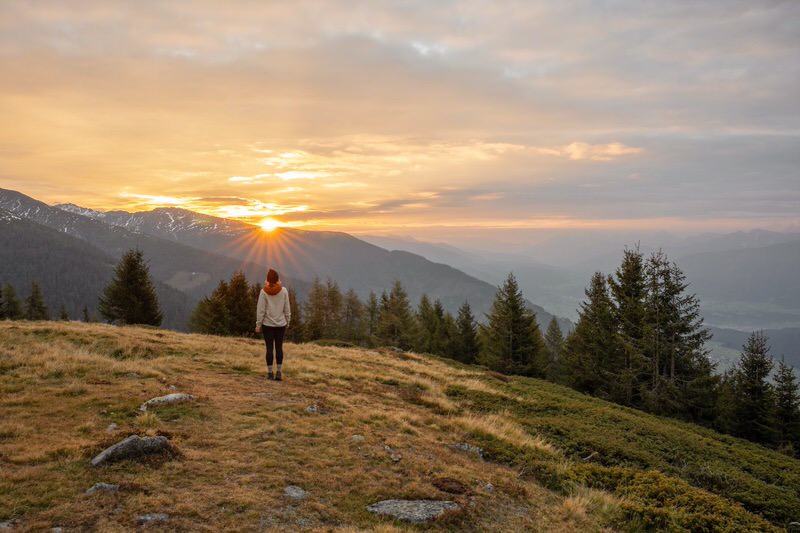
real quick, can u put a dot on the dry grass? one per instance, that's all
(245, 438)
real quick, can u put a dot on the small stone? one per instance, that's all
(150, 518)
(102, 487)
(131, 448)
(357, 438)
(295, 492)
(413, 511)
(132, 375)
(164, 400)
(112, 427)
(396, 457)
(56, 530)
(8, 524)
(469, 448)
(312, 409)
(172, 387)
(488, 487)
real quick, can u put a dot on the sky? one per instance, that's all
(431, 119)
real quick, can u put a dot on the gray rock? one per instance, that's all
(56, 530)
(357, 438)
(131, 448)
(112, 427)
(414, 511)
(312, 409)
(469, 448)
(172, 387)
(102, 487)
(396, 457)
(7, 525)
(164, 400)
(295, 492)
(151, 518)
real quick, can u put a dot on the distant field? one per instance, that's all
(554, 460)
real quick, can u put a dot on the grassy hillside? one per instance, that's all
(554, 460)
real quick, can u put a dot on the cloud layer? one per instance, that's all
(415, 114)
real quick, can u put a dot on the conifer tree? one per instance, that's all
(445, 330)
(554, 346)
(62, 313)
(465, 341)
(428, 326)
(592, 356)
(511, 342)
(787, 403)
(396, 325)
(2, 305)
(296, 330)
(628, 291)
(86, 317)
(755, 397)
(239, 302)
(334, 310)
(353, 324)
(131, 298)
(372, 311)
(35, 309)
(316, 311)
(12, 305)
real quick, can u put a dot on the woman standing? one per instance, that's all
(272, 317)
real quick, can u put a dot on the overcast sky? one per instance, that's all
(421, 117)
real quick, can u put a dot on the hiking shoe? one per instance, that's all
(270, 375)
(278, 376)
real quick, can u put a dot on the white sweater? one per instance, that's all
(274, 310)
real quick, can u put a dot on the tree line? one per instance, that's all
(639, 340)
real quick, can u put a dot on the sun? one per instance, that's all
(270, 224)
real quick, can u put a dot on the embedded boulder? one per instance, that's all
(165, 400)
(131, 448)
(413, 511)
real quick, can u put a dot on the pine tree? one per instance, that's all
(35, 309)
(396, 325)
(296, 330)
(211, 315)
(592, 355)
(131, 298)
(429, 326)
(787, 403)
(62, 313)
(629, 292)
(11, 305)
(511, 342)
(465, 341)
(673, 339)
(554, 346)
(333, 310)
(755, 397)
(239, 302)
(372, 313)
(353, 318)
(316, 311)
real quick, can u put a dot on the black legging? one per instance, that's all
(274, 334)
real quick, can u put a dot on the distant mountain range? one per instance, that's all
(191, 252)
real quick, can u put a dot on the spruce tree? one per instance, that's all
(334, 310)
(396, 324)
(429, 326)
(35, 309)
(372, 311)
(86, 317)
(755, 397)
(12, 305)
(316, 311)
(592, 355)
(239, 302)
(465, 341)
(511, 342)
(787, 412)
(554, 346)
(296, 330)
(353, 321)
(2, 305)
(62, 313)
(629, 292)
(131, 298)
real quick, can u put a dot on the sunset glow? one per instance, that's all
(382, 119)
(270, 224)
